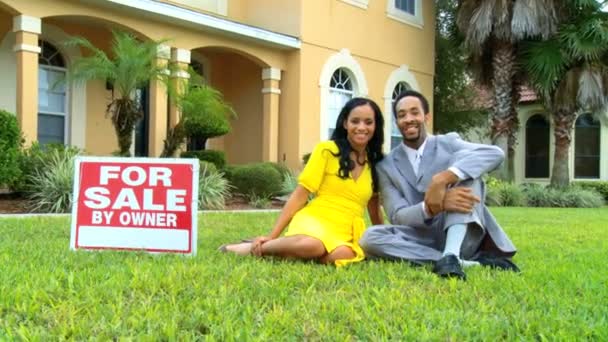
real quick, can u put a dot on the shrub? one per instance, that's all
(570, 197)
(259, 179)
(536, 195)
(205, 165)
(290, 182)
(259, 202)
(575, 197)
(305, 158)
(10, 146)
(599, 186)
(284, 171)
(35, 159)
(216, 157)
(505, 194)
(213, 188)
(50, 185)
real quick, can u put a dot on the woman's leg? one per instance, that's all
(294, 247)
(340, 253)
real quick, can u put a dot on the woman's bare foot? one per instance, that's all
(243, 248)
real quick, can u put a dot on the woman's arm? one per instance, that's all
(297, 200)
(373, 208)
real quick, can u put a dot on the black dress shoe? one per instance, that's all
(500, 263)
(449, 267)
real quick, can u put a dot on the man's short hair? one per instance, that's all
(423, 100)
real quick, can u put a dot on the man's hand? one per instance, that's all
(435, 194)
(256, 245)
(459, 200)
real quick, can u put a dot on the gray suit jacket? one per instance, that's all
(403, 192)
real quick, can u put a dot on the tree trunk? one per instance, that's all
(125, 113)
(503, 61)
(563, 122)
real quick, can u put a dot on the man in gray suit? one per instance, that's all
(433, 194)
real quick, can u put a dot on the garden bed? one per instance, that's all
(14, 204)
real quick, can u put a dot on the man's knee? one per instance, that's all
(370, 237)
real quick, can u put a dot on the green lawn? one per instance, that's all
(48, 292)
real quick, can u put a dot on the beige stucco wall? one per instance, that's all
(243, 144)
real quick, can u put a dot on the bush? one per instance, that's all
(50, 185)
(290, 182)
(284, 171)
(259, 202)
(35, 159)
(599, 186)
(213, 188)
(536, 195)
(261, 179)
(570, 197)
(504, 194)
(575, 197)
(305, 158)
(216, 157)
(10, 149)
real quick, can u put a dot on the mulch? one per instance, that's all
(14, 204)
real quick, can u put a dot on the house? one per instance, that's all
(535, 148)
(286, 66)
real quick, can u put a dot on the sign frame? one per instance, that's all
(193, 202)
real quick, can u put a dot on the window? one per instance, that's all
(537, 147)
(408, 6)
(396, 137)
(587, 147)
(406, 11)
(340, 91)
(52, 96)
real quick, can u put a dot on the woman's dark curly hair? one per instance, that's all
(374, 146)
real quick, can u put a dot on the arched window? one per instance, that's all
(587, 147)
(396, 137)
(341, 90)
(537, 147)
(52, 96)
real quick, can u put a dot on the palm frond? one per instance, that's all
(591, 92)
(534, 18)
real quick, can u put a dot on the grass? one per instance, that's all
(48, 292)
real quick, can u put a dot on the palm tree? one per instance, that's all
(492, 30)
(204, 115)
(570, 71)
(131, 65)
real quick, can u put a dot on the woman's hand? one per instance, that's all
(256, 245)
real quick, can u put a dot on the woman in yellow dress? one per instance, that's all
(340, 173)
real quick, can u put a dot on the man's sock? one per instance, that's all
(453, 241)
(469, 263)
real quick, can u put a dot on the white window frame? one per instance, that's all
(602, 144)
(344, 60)
(407, 18)
(358, 3)
(350, 93)
(401, 74)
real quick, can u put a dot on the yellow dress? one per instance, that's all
(335, 215)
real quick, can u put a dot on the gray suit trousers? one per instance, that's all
(424, 244)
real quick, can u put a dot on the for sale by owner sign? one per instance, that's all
(135, 204)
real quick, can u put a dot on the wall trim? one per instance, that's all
(27, 23)
(187, 17)
(27, 47)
